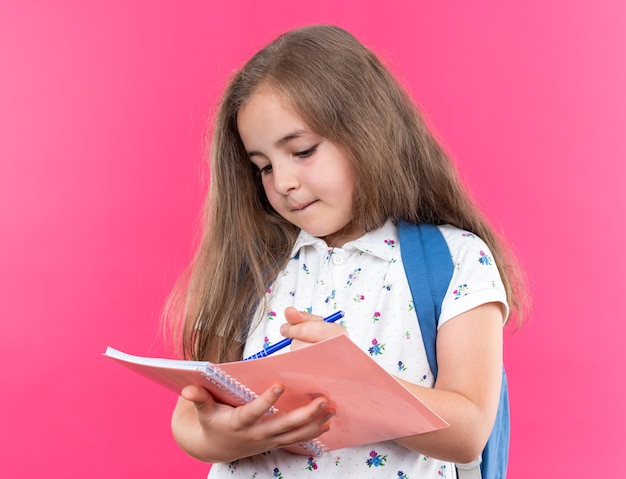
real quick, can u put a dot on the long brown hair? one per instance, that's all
(343, 92)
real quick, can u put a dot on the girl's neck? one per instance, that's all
(344, 235)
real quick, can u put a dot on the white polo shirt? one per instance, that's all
(365, 278)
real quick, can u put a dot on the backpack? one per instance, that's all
(428, 266)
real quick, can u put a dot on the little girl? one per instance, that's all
(317, 154)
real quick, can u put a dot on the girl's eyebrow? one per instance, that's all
(291, 136)
(282, 141)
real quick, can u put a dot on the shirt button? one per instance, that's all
(337, 259)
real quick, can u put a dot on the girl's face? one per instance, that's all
(306, 178)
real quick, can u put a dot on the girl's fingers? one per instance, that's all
(311, 331)
(250, 413)
(305, 420)
(308, 328)
(197, 395)
(293, 316)
(302, 422)
(306, 427)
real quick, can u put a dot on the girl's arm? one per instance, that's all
(466, 393)
(215, 432)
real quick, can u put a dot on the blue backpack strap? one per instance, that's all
(496, 452)
(428, 266)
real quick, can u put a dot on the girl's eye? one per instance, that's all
(266, 169)
(305, 153)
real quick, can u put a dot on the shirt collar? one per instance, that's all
(382, 243)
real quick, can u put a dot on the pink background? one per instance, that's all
(102, 115)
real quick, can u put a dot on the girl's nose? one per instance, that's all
(285, 179)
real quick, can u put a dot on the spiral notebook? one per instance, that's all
(371, 405)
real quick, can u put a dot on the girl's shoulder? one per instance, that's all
(461, 241)
(448, 230)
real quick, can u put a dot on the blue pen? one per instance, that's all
(287, 341)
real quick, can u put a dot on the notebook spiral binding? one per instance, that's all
(234, 388)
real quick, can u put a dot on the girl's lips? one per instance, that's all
(302, 206)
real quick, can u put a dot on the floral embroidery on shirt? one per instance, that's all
(442, 472)
(376, 316)
(376, 459)
(401, 366)
(391, 243)
(352, 277)
(411, 306)
(271, 315)
(358, 298)
(423, 378)
(468, 235)
(402, 475)
(485, 259)
(407, 334)
(376, 349)
(332, 296)
(387, 286)
(266, 342)
(305, 268)
(277, 473)
(311, 465)
(461, 290)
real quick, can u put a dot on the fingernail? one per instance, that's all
(283, 329)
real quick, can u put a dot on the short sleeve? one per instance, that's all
(475, 280)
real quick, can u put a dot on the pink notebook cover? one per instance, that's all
(371, 405)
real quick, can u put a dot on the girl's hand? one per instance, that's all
(214, 432)
(305, 328)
